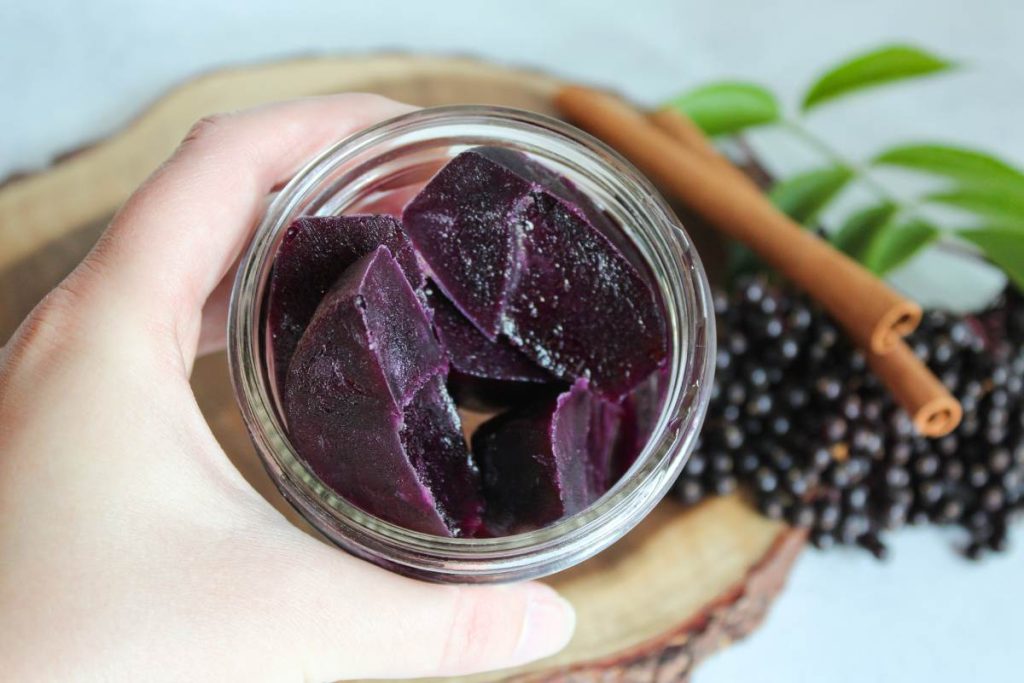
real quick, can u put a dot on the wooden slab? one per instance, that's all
(684, 583)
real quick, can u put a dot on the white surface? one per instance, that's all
(73, 71)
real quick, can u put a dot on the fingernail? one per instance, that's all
(547, 625)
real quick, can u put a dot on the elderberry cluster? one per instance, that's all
(798, 422)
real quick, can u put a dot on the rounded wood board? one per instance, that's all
(681, 585)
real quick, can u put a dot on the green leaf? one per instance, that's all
(965, 165)
(895, 243)
(861, 228)
(803, 196)
(1003, 246)
(883, 65)
(728, 107)
(989, 201)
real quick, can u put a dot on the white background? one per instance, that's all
(74, 71)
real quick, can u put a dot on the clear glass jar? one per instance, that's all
(384, 166)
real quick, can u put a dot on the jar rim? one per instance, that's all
(682, 285)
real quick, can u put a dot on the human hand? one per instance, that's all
(130, 547)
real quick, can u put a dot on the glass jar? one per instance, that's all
(379, 169)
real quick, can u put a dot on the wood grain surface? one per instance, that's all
(681, 585)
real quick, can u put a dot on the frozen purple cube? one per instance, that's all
(463, 224)
(518, 258)
(314, 253)
(536, 462)
(432, 438)
(603, 444)
(639, 414)
(580, 308)
(484, 373)
(571, 195)
(367, 410)
(472, 353)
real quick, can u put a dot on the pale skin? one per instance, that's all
(130, 547)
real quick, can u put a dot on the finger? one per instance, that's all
(175, 238)
(354, 620)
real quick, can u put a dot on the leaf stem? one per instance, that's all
(951, 245)
(860, 172)
(822, 147)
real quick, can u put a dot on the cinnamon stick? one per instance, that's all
(873, 315)
(934, 411)
(688, 134)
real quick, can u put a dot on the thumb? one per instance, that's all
(355, 620)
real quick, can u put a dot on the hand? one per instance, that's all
(130, 548)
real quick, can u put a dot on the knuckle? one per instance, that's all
(55, 316)
(47, 334)
(208, 126)
(66, 322)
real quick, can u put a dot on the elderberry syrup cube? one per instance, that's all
(503, 240)
(574, 198)
(314, 253)
(638, 415)
(485, 374)
(603, 444)
(366, 406)
(542, 462)
(432, 438)
(566, 190)
(463, 226)
(579, 308)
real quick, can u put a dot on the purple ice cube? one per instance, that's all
(579, 308)
(503, 241)
(472, 353)
(484, 373)
(314, 252)
(367, 410)
(602, 444)
(572, 196)
(537, 462)
(640, 410)
(463, 225)
(433, 442)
